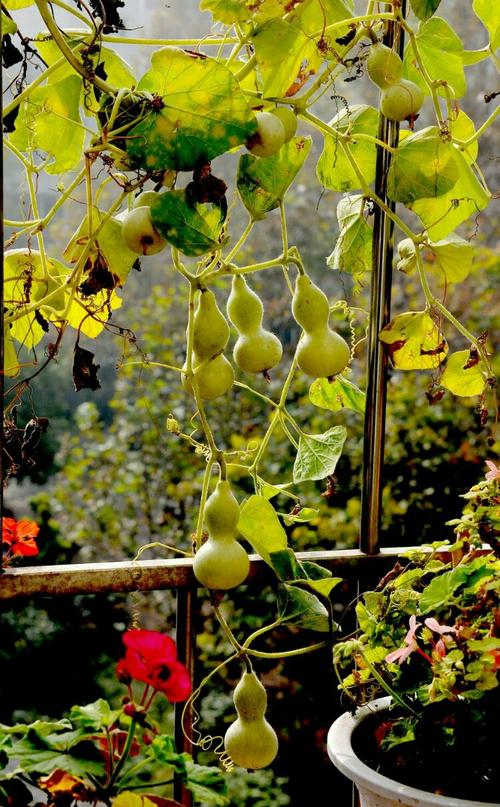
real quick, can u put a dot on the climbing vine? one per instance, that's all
(143, 149)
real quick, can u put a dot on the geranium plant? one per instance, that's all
(138, 154)
(101, 755)
(429, 636)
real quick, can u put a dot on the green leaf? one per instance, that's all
(286, 565)
(8, 25)
(450, 259)
(163, 749)
(414, 341)
(353, 249)
(270, 491)
(289, 50)
(94, 716)
(301, 609)
(304, 515)
(193, 228)
(489, 14)
(226, 11)
(208, 784)
(334, 170)
(453, 256)
(337, 394)
(440, 216)
(204, 113)
(280, 66)
(260, 526)
(441, 50)
(50, 121)
(462, 380)
(318, 454)
(263, 181)
(439, 593)
(423, 166)
(462, 128)
(324, 586)
(423, 9)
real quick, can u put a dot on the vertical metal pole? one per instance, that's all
(186, 649)
(380, 302)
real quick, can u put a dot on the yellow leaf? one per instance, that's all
(462, 380)
(414, 341)
(89, 315)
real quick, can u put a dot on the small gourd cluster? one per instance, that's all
(401, 99)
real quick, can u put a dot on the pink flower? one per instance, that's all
(435, 627)
(494, 472)
(410, 644)
(152, 657)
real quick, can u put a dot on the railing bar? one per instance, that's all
(151, 575)
(185, 637)
(380, 303)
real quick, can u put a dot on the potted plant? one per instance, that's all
(429, 638)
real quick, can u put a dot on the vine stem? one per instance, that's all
(367, 191)
(58, 37)
(172, 43)
(241, 240)
(73, 12)
(197, 691)
(299, 651)
(335, 26)
(463, 144)
(35, 212)
(275, 419)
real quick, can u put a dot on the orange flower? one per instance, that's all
(20, 536)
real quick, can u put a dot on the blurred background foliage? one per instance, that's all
(109, 477)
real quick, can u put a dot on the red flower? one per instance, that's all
(152, 657)
(20, 536)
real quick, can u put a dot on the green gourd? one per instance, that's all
(251, 741)
(384, 66)
(256, 350)
(321, 352)
(401, 101)
(269, 137)
(289, 120)
(139, 233)
(211, 331)
(215, 377)
(213, 372)
(221, 562)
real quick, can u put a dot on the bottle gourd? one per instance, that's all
(221, 562)
(256, 350)
(213, 372)
(251, 741)
(321, 352)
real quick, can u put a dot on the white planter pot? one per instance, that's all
(374, 789)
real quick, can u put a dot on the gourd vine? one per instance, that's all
(138, 154)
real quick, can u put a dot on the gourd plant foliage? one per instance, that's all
(142, 149)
